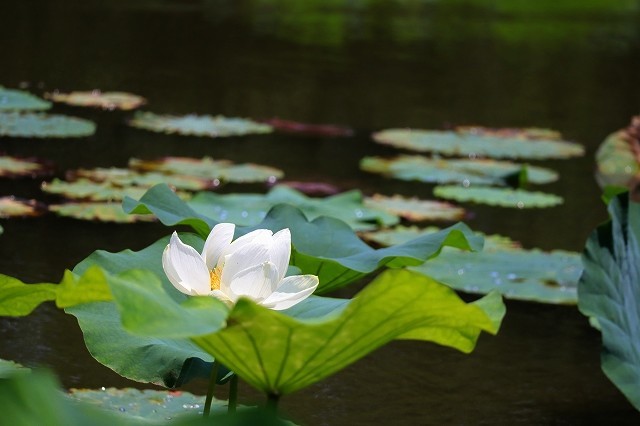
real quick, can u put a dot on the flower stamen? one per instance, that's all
(215, 275)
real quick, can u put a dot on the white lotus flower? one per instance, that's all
(252, 266)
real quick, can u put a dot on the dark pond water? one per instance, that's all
(366, 64)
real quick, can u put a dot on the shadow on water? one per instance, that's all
(572, 66)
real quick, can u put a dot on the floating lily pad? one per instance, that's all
(251, 209)
(38, 125)
(534, 275)
(14, 167)
(148, 404)
(198, 125)
(415, 209)
(618, 157)
(126, 177)
(98, 211)
(502, 197)
(85, 189)
(18, 100)
(511, 132)
(208, 168)
(467, 143)
(438, 170)
(402, 234)
(15, 207)
(96, 98)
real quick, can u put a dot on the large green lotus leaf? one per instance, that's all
(18, 100)
(13, 167)
(414, 209)
(198, 125)
(165, 361)
(438, 170)
(208, 168)
(326, 246)
(98, 99)
(11, 206)
(35, 125)
(19, 299)
(617, 160)
(279, 354)
(609, 291)
(10, 368)
(126, 177)
(534, 275)
(98, 211)
(251, 209)
(485, 145)
(501, 197)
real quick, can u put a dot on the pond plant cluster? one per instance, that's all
(243, 294)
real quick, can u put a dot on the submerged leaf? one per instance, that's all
(469, 143)
(198, 125)
(96, 98)
(485, 172)
(35, 125)
(208, 168)
(501, 197)
(18, 100)
(414, 209)
(609, 292)
(296, 127)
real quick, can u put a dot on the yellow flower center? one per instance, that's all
(215, 276)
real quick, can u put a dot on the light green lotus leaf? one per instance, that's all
(126, 177)
(18, 299)
(501, 197)
(98, 99)
(18, 100)
(11, 206)
(13, 167)
(414, 209)
(279, 354)
(403, 234)
(85, 189)
(438, 170)
(198, 125)
(38, 125)
(208, 168)
(98, 211)
(466, 143)
(618, 157)
(10, 368)
(533, 275)
(251, 209)
(609, 293)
